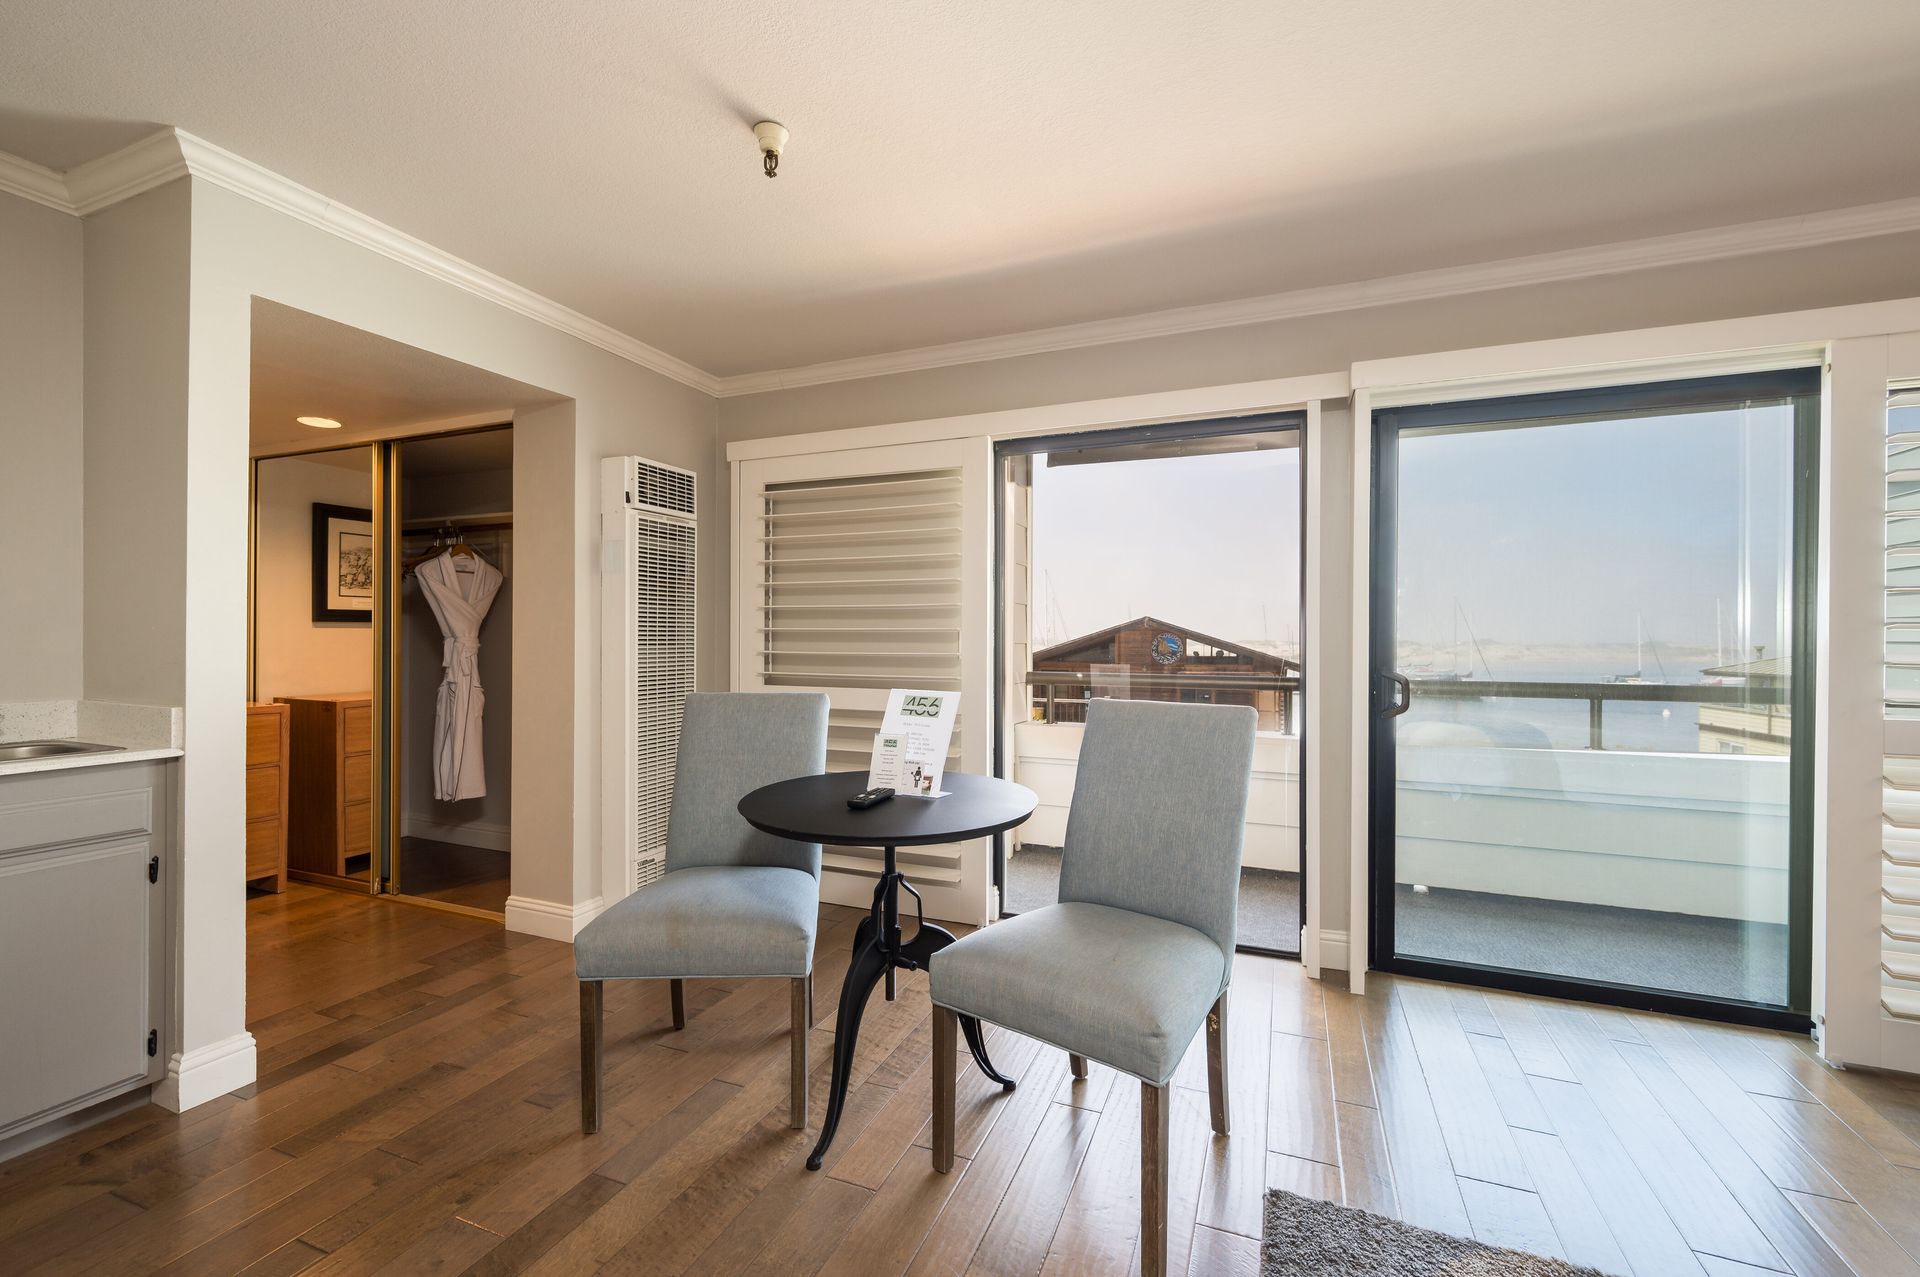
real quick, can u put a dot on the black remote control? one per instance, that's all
(869, 798)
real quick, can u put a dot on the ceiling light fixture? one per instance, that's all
(772, 138)
(319, 423)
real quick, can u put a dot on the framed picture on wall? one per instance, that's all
(342, 563)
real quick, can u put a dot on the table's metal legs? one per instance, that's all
(877, 952)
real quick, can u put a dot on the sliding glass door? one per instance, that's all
(1591, 621)
(1159, 563)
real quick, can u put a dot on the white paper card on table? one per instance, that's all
(910, 750)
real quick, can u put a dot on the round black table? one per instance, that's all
(814, 809)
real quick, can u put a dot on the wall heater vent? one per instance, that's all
(648, 658)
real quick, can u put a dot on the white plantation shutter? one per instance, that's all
(1900, 806)
(857, 572)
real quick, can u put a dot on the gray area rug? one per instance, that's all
(1310, 1238)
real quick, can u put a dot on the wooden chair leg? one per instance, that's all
(1217, 1064)
(1155, 1109)
(812, 1018)
(678, 988)
(797, 1034)
(946, 1025)
(590, 1042)
(1078, 1065)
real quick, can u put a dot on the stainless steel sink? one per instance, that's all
(23, 749)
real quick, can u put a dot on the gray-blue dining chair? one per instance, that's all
(734, 902)
(1139, 951)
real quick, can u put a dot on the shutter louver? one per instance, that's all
(1900, 794)
(858, 583)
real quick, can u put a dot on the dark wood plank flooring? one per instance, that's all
(417, 1112)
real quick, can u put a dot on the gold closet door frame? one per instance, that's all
(388, 875)
(383, 874)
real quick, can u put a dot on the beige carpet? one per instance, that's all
(1309, 1238)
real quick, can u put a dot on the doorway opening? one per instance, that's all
(381, 624)
(1163, 563)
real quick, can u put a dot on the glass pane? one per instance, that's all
(1595, 614)
(1164, 570)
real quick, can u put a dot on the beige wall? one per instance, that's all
(1836, 274)
(294, 655)
(136, 438)
(41, 483)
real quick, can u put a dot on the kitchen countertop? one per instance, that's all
(141, 733)
(62, 762)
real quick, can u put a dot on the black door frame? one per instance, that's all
(1797, 386)
(1169, 431)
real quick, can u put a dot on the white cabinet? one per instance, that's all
(85, 866)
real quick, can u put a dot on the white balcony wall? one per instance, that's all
(1046, 756)
(1685, 833)
(1681, 833)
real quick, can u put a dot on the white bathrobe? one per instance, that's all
(459, 589)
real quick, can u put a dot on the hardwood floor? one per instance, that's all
(417, 1111)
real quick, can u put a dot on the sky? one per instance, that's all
(1557, 543)
(1210, 543)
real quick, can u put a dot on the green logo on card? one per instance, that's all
(921, 706)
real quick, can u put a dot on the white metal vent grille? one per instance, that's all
(649, 660)
(653, 485)
(666, 642)
(1900, 807)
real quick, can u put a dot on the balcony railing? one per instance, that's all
(1596, 695)
(1060, 696)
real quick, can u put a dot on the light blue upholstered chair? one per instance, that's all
(1139, 950)
(734, 901)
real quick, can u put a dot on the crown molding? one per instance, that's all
(168, 154)
(162, 157)
(31, 181)
(1774, 235)
(154, 160)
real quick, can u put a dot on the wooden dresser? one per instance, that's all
(267, 796)
(332, 806)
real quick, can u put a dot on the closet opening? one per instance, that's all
(448, 669)
(380, 755)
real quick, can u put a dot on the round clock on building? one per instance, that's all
(1166, 648)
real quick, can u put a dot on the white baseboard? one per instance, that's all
(206, 1073)
(549, 918)
(467, 833)
(1333, 951)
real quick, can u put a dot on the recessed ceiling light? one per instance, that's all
(319, 423)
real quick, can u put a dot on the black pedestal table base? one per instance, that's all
(878, 951)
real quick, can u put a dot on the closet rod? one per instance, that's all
(478, 523)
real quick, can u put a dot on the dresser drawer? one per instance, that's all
(263, 736)
(356, 729)
(357, 780)
(263, 793)
(357, 835)
(263, 848)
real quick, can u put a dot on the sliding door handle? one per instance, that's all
(1406, 695)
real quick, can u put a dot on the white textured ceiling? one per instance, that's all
(964, 168)
(306, 366)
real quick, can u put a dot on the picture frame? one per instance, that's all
(342, 564)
